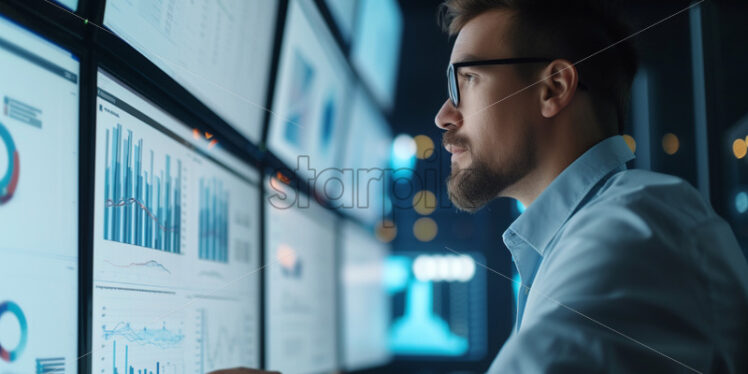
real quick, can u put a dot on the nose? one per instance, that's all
(448, 117)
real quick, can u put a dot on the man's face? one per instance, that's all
(490, 133)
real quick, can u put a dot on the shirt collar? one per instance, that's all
(544, 217)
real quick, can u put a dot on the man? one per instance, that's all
(622, 270)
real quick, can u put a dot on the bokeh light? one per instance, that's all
(448, 268)
(741, 202)
(670, 143)
(424, 202)
(739, 148)
(425, 229)
(424, 147)
(630, 142)
(386, 231)
(404, 147)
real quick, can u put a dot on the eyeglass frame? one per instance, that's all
(452, 72)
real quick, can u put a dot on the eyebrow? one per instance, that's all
(466, 57)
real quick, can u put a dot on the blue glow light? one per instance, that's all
(396, 273)
(404, 155)
(420, 331)
(741, 202)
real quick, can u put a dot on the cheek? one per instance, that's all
(497, 135)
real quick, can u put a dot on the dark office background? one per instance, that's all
(688, 117)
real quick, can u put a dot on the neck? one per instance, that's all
(552, 159)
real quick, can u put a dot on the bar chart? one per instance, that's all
(142, 204)
(214, 221)
(129, 368)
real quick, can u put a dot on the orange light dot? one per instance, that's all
(425, 229)
(386, 231)
(670, 143)
(630, 142)
(424, 146)
(424, 202)
(739, 148)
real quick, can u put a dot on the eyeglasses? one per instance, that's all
(454, 90)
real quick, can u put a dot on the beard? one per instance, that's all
(472, 188)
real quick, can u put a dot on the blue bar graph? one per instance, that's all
(142, 208)
(131, 369)
(214, 221)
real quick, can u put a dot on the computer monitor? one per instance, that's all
(300, 278)
(438, 306)
(365, 313)
(367, 153)
(39, 92)
(375, 49)
(344, 14)
(311, 94)
(176, 244)
(218, 50)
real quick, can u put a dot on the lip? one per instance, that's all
(454, 150)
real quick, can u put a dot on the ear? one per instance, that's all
(558, 86)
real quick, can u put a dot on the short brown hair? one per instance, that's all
(569, 29)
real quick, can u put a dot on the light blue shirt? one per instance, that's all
(625, 271)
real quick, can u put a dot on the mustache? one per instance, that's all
(451, 137)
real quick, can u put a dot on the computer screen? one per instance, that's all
(311, 93)
(218, 50)
(367, 153)
(39, 121)
(438, 305)
(364, 299)
(176, 244)
(300, 278)
(376, 46)
(344, 14)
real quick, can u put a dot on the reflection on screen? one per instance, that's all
(310, 98)
(219, 50)
(438, 305)
(176, 248)
(376, 46)
(365, 303)
(300, 286)
(38, 203)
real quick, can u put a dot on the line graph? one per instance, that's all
(159, 337)
(225, 341)
(152, 264)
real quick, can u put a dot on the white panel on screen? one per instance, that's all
(38, 203)
(219, 50)
(176, 244)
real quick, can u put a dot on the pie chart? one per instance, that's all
(9, 181)
(13, 308)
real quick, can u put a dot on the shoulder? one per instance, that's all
(636, 215)
(645, 203)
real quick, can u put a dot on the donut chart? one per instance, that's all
(9, 181)
(14, 309)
